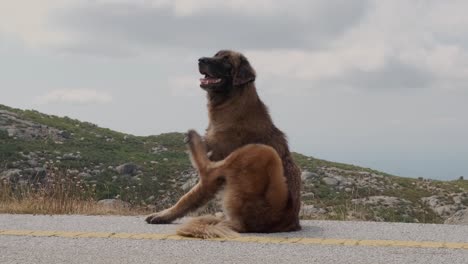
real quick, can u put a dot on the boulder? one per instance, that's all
(459, 218)
(445, 210)
(442, 206)
(330, 181)
(307, 175)
(127, 168)
(431, 201)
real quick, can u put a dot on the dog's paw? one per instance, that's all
(186, 138)
(158, 218)
(192, 137)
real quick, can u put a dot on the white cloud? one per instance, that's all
(28, 21)
(74, 96)
(415, 35)
(334, 62)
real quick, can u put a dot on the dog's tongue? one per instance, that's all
(209, 80)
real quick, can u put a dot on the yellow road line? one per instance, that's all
(242, 239)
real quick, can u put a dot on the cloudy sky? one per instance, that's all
(377, 83)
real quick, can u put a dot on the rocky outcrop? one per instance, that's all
(17, 127)
(446, 205)
(380, 200)
(346, 180)
(459, 218)
(163, 173)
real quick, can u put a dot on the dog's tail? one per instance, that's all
(207, 227)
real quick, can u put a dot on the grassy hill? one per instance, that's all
(154, 171)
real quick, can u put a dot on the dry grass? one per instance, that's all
(58, 194)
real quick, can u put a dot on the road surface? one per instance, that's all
(128, 239)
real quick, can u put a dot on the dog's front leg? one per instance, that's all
(199, 195)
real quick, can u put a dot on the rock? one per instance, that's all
(330, 181)
(17, 127)
(382, 200)
(32, 163)
(445, 210)
(432, 201)
(127, 168)
(150, 199)
(64, 134)
(307, 176)
(309, 195)
(151, 207)
(71, 156)
(457, 199)
(189, 184)
(311, 210)
(114, 204)
(12, 175)
(12, 132)
(73, 172)
(445, 207)
(190, 173)
(84, 175)
(158, 149)
(459, 218)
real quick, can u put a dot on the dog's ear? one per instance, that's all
(244, 73)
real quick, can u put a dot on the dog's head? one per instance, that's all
(225, 71)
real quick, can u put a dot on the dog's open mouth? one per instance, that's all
(209, 80)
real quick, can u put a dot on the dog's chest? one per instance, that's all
(222, 143)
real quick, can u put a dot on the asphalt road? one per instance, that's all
(116, 239)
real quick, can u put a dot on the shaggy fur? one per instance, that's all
(255, 193)
(237, 117)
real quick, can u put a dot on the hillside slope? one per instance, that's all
(154, 171)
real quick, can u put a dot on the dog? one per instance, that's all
(255, 190)
(237, 118)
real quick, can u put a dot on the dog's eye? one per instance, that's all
(225, 57)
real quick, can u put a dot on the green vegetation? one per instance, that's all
(91, 154)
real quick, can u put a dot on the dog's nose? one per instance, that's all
(203, 60)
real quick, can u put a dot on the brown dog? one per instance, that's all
(255, 191)
(237, 117)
